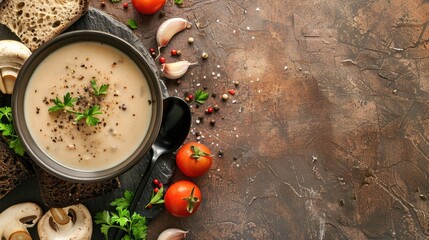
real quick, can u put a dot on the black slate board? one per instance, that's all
(29, 190)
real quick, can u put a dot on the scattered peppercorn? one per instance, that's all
(210, 110)
(103, 4)
(214, 95)
(236, 83)
(205, 55)
(125, 5)
(187, 99)
(225, 97)
(178, 81)
(173, 52)
(212, 122)
(216, 108)
(190, 40)
(162, 59)
(220, 153)
(156, 181)
(153, 54)
(151, 50)
(190, 96)
(178, 52)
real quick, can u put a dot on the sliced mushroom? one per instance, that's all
(72, 222)
(8, 76)
(13, 54)
(15, 220)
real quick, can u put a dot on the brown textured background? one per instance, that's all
(329, 136)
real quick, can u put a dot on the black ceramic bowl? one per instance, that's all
(37, 153)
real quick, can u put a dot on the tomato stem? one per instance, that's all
(191, 201)
(197, 153)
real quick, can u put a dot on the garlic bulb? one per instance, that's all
(172, 234)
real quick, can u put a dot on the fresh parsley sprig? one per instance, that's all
(156, 198)
(132, 24)
(133, 225)
(102, 90)
(88, 115)
(67, 105)
(68, 101)
(201, 96)
(8, 131)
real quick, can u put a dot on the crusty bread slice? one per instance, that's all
(38, 21)
(13, 170)
(57, 192)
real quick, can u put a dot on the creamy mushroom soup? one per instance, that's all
(79, 70)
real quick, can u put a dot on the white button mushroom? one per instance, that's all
(69, 223)
(13, 54)
(15, 220)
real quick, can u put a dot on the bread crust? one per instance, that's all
(37, 21)
(13, 170)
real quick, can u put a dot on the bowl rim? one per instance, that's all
(32, 148)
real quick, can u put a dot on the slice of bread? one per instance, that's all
(38, 21)
(13, 170)
(61, 193)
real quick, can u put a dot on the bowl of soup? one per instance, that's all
(87, 106)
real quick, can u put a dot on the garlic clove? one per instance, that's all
(172, 234)
(175, 70)
(168, 29)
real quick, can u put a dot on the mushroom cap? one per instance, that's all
(79, 227)
(17, 218)
(13, 54)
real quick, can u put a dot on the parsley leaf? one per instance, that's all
(67, 105)
(89, 115)
(156, 198)
(134, 225)
(68, 101)
(8, 131)
(178, 2)
(132, 24)
(115, 1)
(123, 202)
(201, 96)
(102, 90)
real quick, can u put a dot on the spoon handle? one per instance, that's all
(138, 193)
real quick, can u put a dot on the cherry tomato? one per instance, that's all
(148, 6)
(194, 159)
(182, 198)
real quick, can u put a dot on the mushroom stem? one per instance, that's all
(15, 220)
(77, 219)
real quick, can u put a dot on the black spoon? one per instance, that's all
(176, 122)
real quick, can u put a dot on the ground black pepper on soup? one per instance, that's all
(124, 110)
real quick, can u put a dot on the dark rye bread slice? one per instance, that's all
(57, 192)
(13, 169)
(37, 21)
